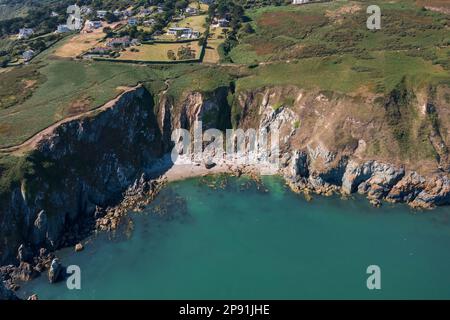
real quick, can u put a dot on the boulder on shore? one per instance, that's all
(210, 165)
(78, 247)
(55, 271)
(5, 293)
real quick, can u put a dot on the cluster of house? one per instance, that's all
(64, 28)
(189, 11)
(131, 17)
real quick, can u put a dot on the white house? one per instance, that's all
(101, 14)
(85, 10)
(223, 23)
(190, 35)
(27, 55)
(132, 22)
(183, 32)
(145, 11)
(300, 1)
(95, 24)
(191, 11)
(149, 22)
(127, 13)
(24, 33)
(62, 28)
(178, 30)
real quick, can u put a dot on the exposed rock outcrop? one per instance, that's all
(78, 166)
(87, 166)
(6, 294)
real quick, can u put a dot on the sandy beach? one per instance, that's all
(184, 168)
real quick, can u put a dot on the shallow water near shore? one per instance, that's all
(228, 239)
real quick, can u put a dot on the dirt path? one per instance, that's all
(33, 141)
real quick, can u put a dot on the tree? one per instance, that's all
(38, 45)
(4, 61)
(171, 55)
(108, 31)
(110, 17)
(247, 28)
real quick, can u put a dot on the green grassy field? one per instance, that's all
(327, 46)
(347, 73)
(64, 87)
(295, 32)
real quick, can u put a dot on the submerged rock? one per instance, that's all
(79, 247)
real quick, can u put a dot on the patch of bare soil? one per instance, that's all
(5, 129)
(78, 106)
(29, 83)
(337, 16)
(442, 6)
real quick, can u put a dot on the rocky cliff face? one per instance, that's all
(328, 144)
(78, 166)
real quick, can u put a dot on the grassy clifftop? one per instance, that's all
(323, 46)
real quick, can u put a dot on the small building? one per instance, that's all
(178, 18)
(132, 22)
(54, 14)
(223, 23)
(175, 31)
(95, 24)
(28, 55)
(191, 11)
(85, 10)
(149, 22)
(127, 13)
(101, 14)
(25, 33)
(119, 42)
(183, 32)
(145, 11)
(62, 28)
(190, 35)
(300, 1)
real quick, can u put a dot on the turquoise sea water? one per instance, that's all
(236, 241)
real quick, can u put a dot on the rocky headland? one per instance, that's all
(86, 173)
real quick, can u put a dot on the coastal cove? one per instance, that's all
(224, 237)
